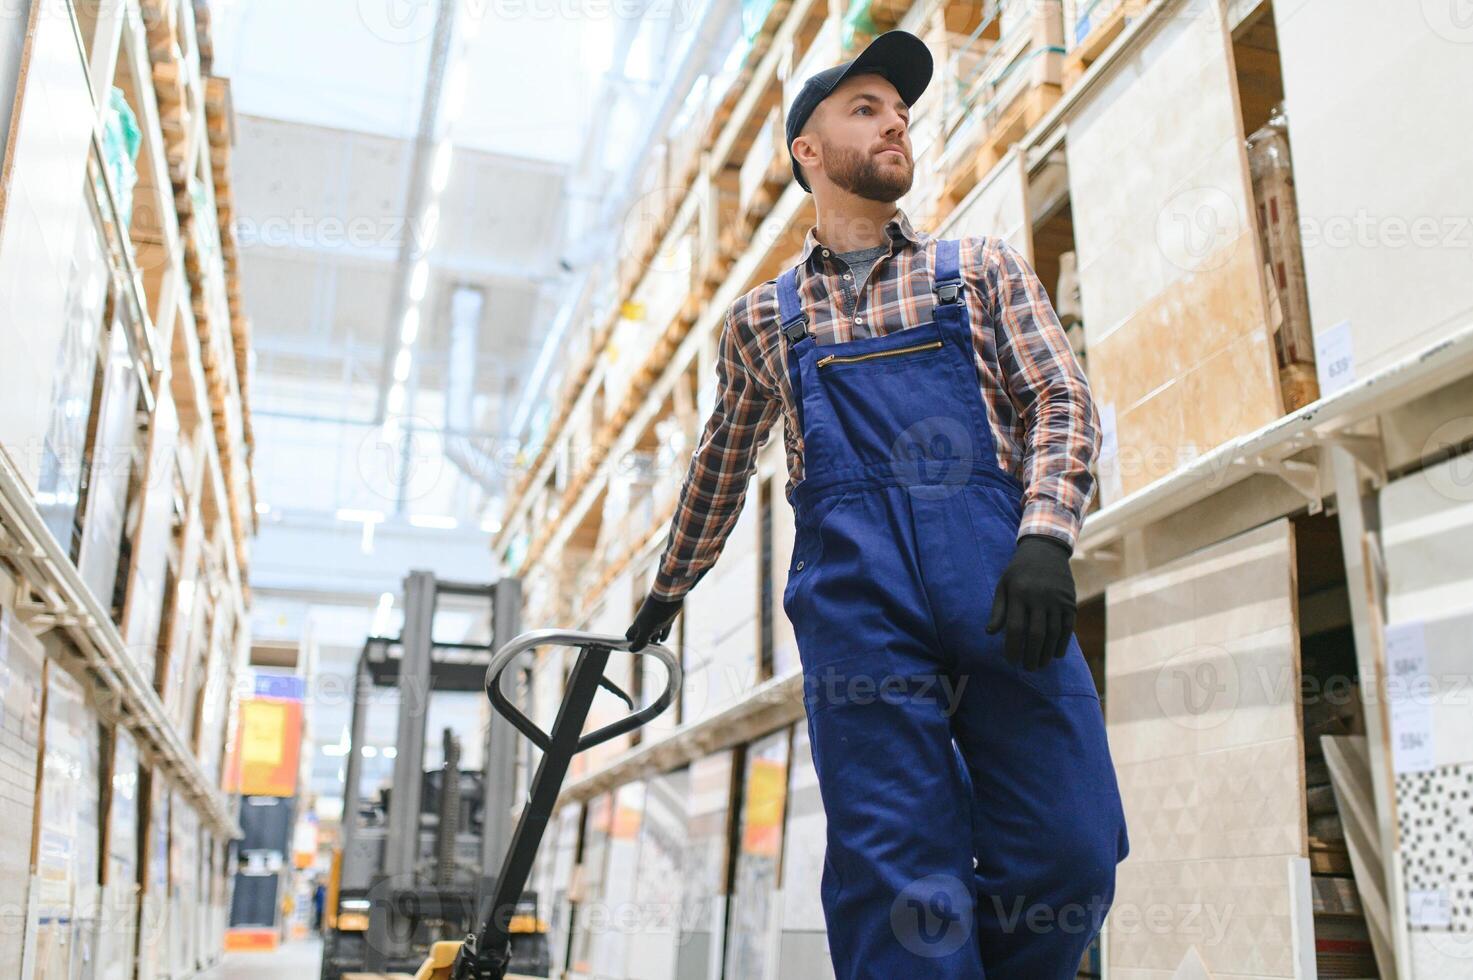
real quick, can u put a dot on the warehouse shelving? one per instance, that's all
(1310, 466)
(139, 617)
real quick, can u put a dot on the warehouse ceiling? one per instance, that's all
(332, 148)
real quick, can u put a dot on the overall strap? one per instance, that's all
(948, 270)
(790, 307)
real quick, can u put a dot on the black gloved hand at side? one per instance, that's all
(1035, 600)
(652, 622)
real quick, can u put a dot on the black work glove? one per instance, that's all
(652, 622)
(1035, 600)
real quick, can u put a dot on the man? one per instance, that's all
(939, 433)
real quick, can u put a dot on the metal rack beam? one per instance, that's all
(67, 604)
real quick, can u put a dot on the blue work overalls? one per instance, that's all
(974, 821)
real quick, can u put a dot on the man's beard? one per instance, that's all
(861, 173)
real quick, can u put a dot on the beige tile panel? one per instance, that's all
(1202, 715)
(999, 209)
(1179, 328)
(1235, 911)
(1235, 802)
(1207, 698)
(1190, 370)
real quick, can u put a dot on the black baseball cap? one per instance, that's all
(900, 56)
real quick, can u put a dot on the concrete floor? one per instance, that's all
(290, 961)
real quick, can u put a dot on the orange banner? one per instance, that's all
(267, 750)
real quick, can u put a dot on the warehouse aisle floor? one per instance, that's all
(289, 962)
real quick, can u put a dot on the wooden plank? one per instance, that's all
(1202, 673)
(1175, 319)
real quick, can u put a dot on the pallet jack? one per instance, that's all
(487, 953)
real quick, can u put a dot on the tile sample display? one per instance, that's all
(1427, 542)
(703, 901)
(22, 680)
(1202, 669)
(803, 950)
(659, 885)
(1375, 211)
(753, 941)
(1170, 278)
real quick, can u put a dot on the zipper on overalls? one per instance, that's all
(847, 358)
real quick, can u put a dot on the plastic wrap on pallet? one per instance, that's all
(762, 159)
(799, 65)
(121, 139)
(754, 16)
(153, 918)
(116, 446)
(117, 924)
(63, 900)
(867, 18)
(1278, 231)
(22, 679)
(59, 483)
(1084, 17)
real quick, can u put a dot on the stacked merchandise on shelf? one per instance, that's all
(117, 927)
(1090, 26)
(61, 921)
(153, 911)
(1342, 941)
(22, 684)
(1272, 171)
(1009, 74)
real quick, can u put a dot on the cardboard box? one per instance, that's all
(22, 682)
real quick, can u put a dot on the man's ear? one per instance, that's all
(801, 162)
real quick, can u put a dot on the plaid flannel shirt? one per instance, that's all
(1037, 399)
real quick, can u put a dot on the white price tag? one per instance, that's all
(1109, 462)
(1429, 907)
(1334, 356)
(1409, 689)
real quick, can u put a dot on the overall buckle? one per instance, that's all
(948, 292)
(796, 330)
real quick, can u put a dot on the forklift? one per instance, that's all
(429, 877)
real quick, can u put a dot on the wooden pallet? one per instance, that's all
(1100, 37)
(1013, 122)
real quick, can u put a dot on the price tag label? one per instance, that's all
(1334, 356)
(1412, 695)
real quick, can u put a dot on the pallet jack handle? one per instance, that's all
(485, 955)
